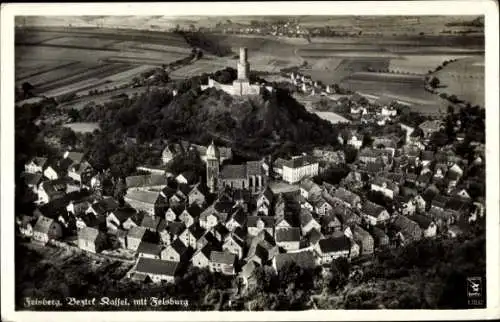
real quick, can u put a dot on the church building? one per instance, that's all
(248, 176)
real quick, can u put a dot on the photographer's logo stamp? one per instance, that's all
(475, 290)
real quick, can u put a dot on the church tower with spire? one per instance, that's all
(213, 163)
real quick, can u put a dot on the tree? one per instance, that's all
(27, 89)
(434, 82)
(68, 137)
(351, 153)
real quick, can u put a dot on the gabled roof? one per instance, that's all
(148, 197)
(234, 171)
(423, 221)
(279, 163)
(75, 157)
(288, 235)
(305, 259)
(43, 224)
(267, 193)
(105, 205)
(223, 207)
(32, 178)
(427, 155)
(194, 210)
(149, 248)
(346, 196)
(176, 227)
(156, 266)
(88, 233)
(150, 222)
(178, 247)
(372, 209)
(223, 258)
(269, 221)
(307, 184)
(238, 216)
(457, 204)
(314, 236)
(136, 232)
(39, 161)
(334, 244)
(123, 214)
(406, 225)
(196, 231)
(328, 219)
(148, 180)
(254, 168)
(305, 217)
(299, 162)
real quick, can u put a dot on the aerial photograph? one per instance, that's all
(249, 163)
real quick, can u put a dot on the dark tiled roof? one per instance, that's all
(150, 222)
(287, 235)
(305, 260)
(423, 221)
(232, 171)
(39, 161)
(88, 233)
(149, 197)
(223, 207)
(176, 227)
(149, 248)
(122, 214)
(156, 266)
(254, 168)
(268, 221)
(32, 178)
(372, 209)
(334, 244)
(136, 232)
(179, 246)
(314, 236)
(196, 231)
(406, 225)
(148, 180)
(346, 196)
(299, 162)
(222, 258)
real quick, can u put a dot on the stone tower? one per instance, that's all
(213, 162)
(243, 65)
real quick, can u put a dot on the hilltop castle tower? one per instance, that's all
(241, 86)
(213, 161)
(243, 65)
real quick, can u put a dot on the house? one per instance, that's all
(192, 235)
(407, 229)
(208, 238)
(146, 182)
(80, 172)
(299, 167)
(330, 223)
(278, 166)
(314, 236)
(305, 260)
(123, 218)
(308, 222)
(264, 201)
(51, 190)
(428, 226)
(171, 151)
(32, 180)
(35, 165)
(256, 224)
(370, 155)
(375, 214)
(288, 238)
(217, 212)
(386, 187)
(149, 250)
(347, 216)
(142, 200)
(57, 169)
(175, 252)
(430, 127)
(353, 180)
(222, 262)
(173, 230)
(155, 269)
(406, 204)
(442, 218)
(103, 207)
(355, 141)
(322, 206)
(220, 232)
(363, 239)
(426, 157)
(247, 275)
(331, 157)
(348, 198)
(238, 219)
(458, 207)
(262, 249)
(190, 215)
(134, 237)
(25, 225)
(423, 180)
(151, 223)
(46, 229)
(187, 177)
(91, 239)
(173, 213)
(380, 238)
(439, 202)
(309, 190)
(201, 257)
(234, 245)
(197, 195)
(331, 248)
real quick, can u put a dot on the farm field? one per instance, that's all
(465, 79)
(419, 64)
(82, 127)
(332, 117)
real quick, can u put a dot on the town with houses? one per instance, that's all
(264, 212)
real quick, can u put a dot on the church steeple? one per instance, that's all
(213, 162)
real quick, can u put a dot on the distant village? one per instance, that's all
(265, 212)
